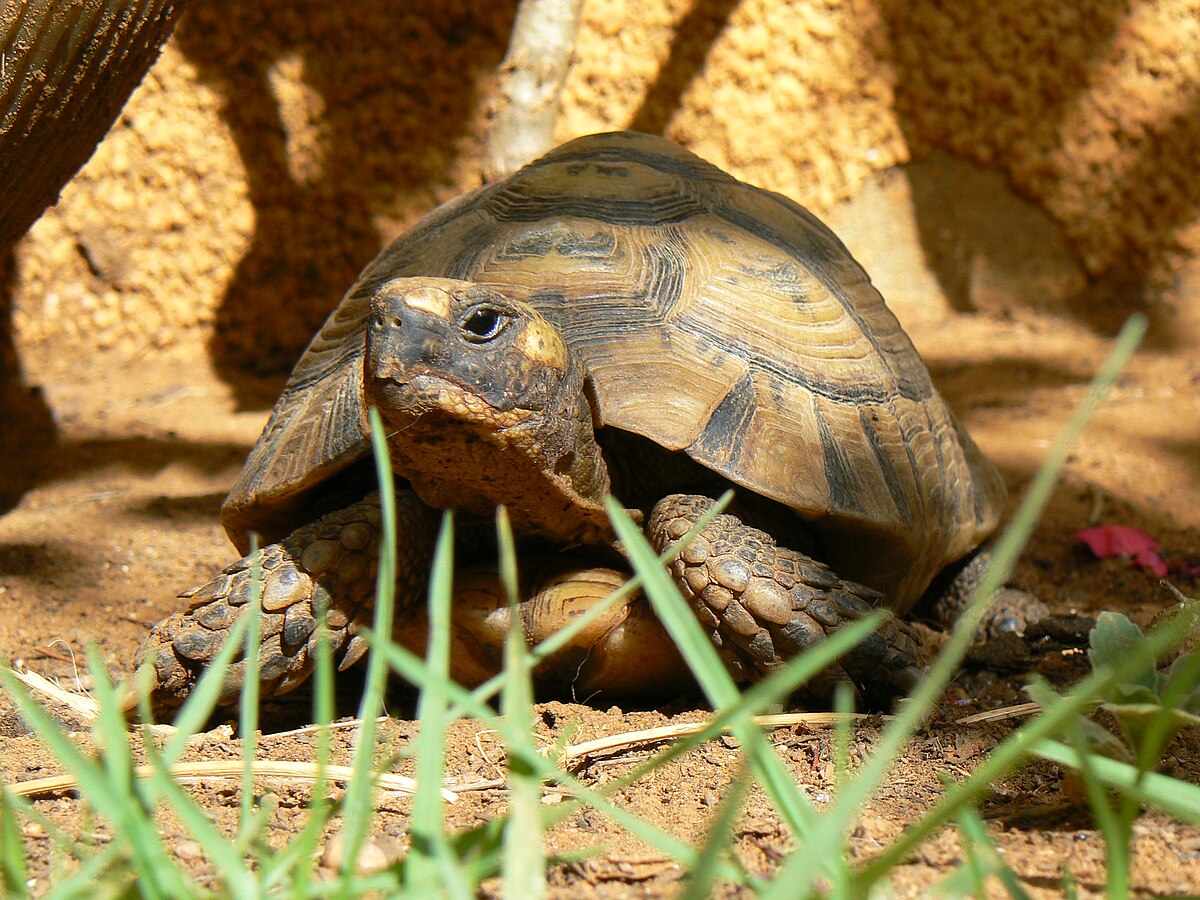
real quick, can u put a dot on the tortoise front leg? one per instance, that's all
(327, 567)
(763, 604)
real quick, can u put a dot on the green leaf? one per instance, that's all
(1132, 695)
(1137, 719)
(1183, 682)
(1041, 693)
(1111, 640)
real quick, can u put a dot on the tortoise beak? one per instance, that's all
(403, 345)
(400, 338)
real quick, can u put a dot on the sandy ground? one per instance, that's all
(155, 311)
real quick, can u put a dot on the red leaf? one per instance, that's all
(1122, 540)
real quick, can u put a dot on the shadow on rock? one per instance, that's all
(28, 430)
(345, 117)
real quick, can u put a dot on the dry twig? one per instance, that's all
(233, 768)
(997, 715)
(574, 754)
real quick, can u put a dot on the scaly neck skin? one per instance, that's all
(476, 426)
(543, 466)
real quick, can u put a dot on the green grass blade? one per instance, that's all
(524, 858)
(974, 831)
(780, 683)
(970, 878)
(1117, 832)
(429, 855)
(62, 845)
(838, 869)
(123, 801)
(200, 703)
(982, 861)
(248, 708)
(680, 623)
(702, 878)
(143, 795)
(564, 636)
(412, 669)
(224, 856)
(111, 730)
(295, 858)
(381, 884)
(82, 882)
(777, 686)
(1014, 751)
(136, 831)
(358, 804)
(13, 871)
(1174, 797)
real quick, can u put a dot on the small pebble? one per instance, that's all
(188, 850)
(371, 858)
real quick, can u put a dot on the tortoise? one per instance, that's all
(619, 317)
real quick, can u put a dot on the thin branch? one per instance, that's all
(525, 108)
(998, 715)
(233, 768)
(574, 753)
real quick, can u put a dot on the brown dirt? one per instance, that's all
(266, 158)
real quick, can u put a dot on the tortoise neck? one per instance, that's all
(543, 465)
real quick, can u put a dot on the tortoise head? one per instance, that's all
(485, 405)
(436, 344)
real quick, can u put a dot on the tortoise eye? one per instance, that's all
(483, 324)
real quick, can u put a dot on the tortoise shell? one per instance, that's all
(714, 318)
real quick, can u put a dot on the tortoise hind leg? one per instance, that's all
(326, 567)
(1011, 612)
(764, 604)
(625, 651)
